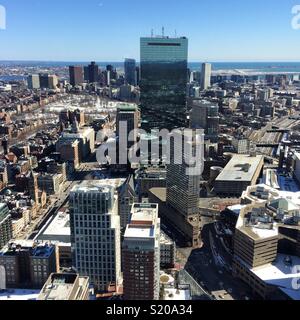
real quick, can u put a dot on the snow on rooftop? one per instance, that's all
(139, 232)
(179, 295)
(281, 274)
(19, 294)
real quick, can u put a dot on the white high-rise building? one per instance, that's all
(141, 253)
(53, 82)
(205, 76)
(95, 232)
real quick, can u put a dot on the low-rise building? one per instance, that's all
(241, 172)
(65, 286)
(28, 264)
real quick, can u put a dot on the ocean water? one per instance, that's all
(261, 67)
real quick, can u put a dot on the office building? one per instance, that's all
(69, 150)
(6, 233)
(28, 264)
(205, 82)
(93, 72)
(65, 286)
(85, 136)
(128, 114)
(53, 82)
(148, 178)
(241, 172)
(167, 252)
(95, 232)
(163, 82)
(183, 187)
(44, 80)
(33, 81)
(141, 254)
(126, 198)
(130, 72)
(76, 75)
(205, 115)
(50, 183)
(86, 73)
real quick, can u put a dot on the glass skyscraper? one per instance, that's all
(130, 71)
(164, 82)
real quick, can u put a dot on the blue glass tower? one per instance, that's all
(164, 72)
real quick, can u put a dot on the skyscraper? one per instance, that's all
(95, 233)
(44, 80)
(163, 82)
(183, 186)
(205, 115)
(76, 75)
(141, 253)
(93, 72)
(33, 81)
(205, 76)
(53, 81)
(129, 114)
(130, 71)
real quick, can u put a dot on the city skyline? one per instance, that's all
(247, 34)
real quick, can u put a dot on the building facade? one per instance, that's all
(141, 254)
(65, 286)
(205, 76)
(5, 225)
(130, 72)
(163, 82)
(76, 75)
(95, 233)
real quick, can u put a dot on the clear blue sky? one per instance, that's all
(109, 30)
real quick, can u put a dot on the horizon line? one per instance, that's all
(122, 61)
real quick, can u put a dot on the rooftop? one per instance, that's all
(61, 286)
(19, 294)
(40, 250)
(281, 274)
(58, 229)
(98, 185)
(143, 221)
(240, 168)
(177, 294)
(256, 223)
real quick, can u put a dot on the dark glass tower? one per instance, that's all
(93, 72)
(76, 75)
(130, 71)
(164, 82)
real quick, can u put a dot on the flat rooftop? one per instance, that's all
(58, 230)
(19, 294)
(42, 250)
(240, 168)
(281, 275)
(256, 231)
(139, 232)
(174, 294)
(60, 286)
(97, 185)
(143, 221)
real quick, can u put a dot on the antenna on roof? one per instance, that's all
(152, 33)
(163, 32)
(175, 33)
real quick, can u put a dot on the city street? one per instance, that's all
(211, 266)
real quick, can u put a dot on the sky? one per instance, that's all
(109, 30)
